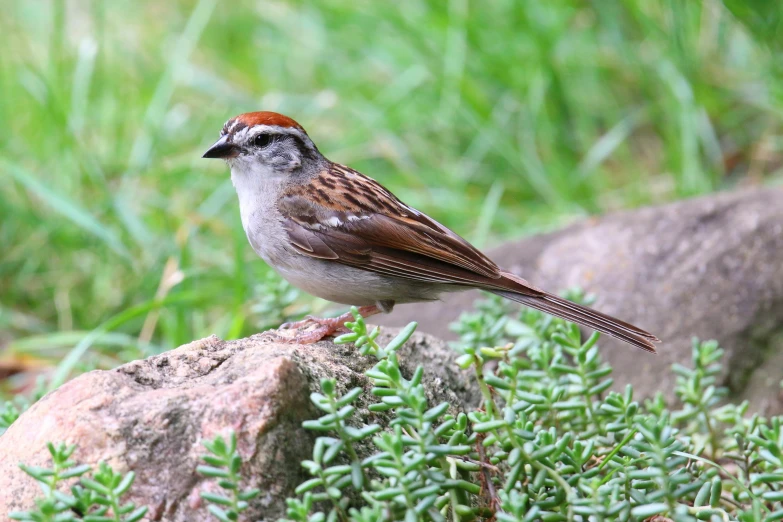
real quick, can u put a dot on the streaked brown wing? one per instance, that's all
(372, 229)
(343, 247)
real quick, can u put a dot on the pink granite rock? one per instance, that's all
(151, 417)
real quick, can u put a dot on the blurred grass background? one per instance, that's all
(498, 118)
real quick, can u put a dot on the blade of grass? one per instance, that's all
(67, 208)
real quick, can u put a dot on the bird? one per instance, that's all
(342, 236)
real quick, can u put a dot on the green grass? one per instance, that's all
(497, 118)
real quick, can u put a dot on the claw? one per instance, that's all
(274, 335)
(313, 336)
(323, 327)
(298, 324)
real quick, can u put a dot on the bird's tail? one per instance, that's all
(565, 309)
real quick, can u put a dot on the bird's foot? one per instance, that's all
(312, 329)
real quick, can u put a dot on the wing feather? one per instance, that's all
(349, 218)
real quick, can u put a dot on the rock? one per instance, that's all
(710, 267)
(151, 417)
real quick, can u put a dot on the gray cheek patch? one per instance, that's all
(286, 160)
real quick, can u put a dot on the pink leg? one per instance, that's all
(323, 326)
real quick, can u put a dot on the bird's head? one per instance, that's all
(265, 143)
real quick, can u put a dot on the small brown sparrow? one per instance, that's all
(341, 236)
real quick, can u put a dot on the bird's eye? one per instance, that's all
(262, 140)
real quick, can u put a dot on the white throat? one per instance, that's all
(258, 187)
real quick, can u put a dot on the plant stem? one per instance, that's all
(490, 402)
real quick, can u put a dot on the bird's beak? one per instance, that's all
(222, 149)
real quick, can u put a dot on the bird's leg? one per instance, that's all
(323, 326)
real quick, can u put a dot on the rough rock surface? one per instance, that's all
(151, 416)
(710, 267)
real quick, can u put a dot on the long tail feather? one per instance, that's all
(583, 315)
